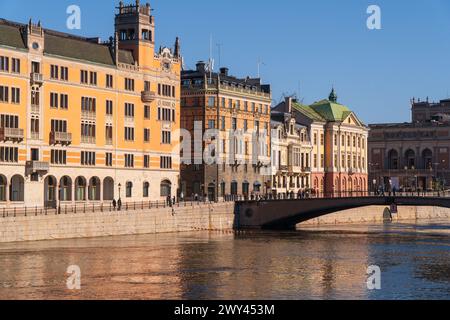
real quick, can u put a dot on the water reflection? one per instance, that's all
(313, 263)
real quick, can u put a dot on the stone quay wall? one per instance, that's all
(379, 214)
(193, 217)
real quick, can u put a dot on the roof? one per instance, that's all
(331, 111)
(308, 112)
(63, 45)
(11, 36)
(77, 49)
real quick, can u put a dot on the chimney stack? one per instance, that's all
(288, 105)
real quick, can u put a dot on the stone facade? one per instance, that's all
(339, 146)
(412, 156)
(291, 154)
(239, 111)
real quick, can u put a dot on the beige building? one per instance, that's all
(291, 154)
(339, 146)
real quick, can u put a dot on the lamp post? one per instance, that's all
(120, 186)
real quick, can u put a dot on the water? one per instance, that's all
(313, 263)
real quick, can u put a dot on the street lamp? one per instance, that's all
(120, 186)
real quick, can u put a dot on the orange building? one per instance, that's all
(88, 121)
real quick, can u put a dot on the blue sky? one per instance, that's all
(306, 46)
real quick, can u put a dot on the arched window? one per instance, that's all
(66, 189)
(80, 188)
(410, 158)
(234, 188)
(427, 159)
(393, 160)
(3, 185)
(94, 189)
(245, 188)
(166, 188)
(146, 189)
(129, 189)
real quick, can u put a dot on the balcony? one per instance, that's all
(37, 167)
(63, 138)
(109, 141)
(11, 134)
(295, 169)
(88, 115)
(88, 139)
(148, 96)
(35, 108)
(283, 169)
(306, 170)
(37, 78)
(263, 161)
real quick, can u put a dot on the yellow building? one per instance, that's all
(86, 121)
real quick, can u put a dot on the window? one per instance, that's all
(234, 123)
(64, 101)
(222, 123)
(129, 189)
(15, 95)
(166, 163)
(129, 110)
(166, 114)
(58, 156)
(4, 94)
(109, 134)
(129, 134)
(15, 65)
(166, 188)
(54, 72)
(146, 161)
(4, 63)
(129, 84)
(58, 125)
(166, 90)
(109, 107)
(88, 104)
(9, 121)
(93, 78)
(166, 137)
(145, 191)
(87, 158)
(245, 125)
(84, 77)
(211, 101)
(53, 100)
(146, 85)
(64, 74)
(211, 124)
(109, 81)
(129, 161)
(108, 159)
(147, 112)
(88, 132)
(146, 135)
(9, 154)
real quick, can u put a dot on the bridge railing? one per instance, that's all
(97, 207)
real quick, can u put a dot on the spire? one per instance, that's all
(177, 51)
(333, 97)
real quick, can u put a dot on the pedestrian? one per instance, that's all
(181, 196)
(119, 204)
(114, 204)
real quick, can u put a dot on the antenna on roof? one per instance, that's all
(259, 63)
(219, 49)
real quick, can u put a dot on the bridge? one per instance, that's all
(286, 214)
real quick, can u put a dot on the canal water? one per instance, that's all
(312, 263)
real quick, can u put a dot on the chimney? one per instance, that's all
(224, 71)
(288, 105)
(201, 66)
